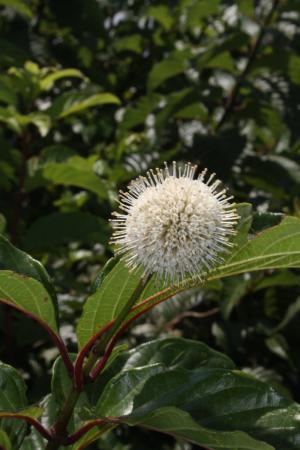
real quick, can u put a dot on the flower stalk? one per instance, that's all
(59, 430)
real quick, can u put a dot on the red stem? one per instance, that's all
(72, 438)
(101, 363)
(35, 423)
(78, 366)
(58, 342)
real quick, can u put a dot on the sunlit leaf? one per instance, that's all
(29, 295)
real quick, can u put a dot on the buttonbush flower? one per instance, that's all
(173, 224)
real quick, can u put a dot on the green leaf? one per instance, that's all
(60, 228)
(188, 375)
(217, 53)
(162, 15)
(274, 248)
(48, 81)
(55, 154)
(7, 93)
(108, 266)
(93, 435)
(20, 6)
(18, 122)
(196, 11)
(294, 68)
(5, 443)
(172, 353)
(105, 304)
(222, 61)
(290, 314)
(11, 258)
(234, 289)
(74, 103)
(181, 104)
(76, 171)
(174, 65)
(41, 121)
(179, 424)
(34, 441)
(29, 295)
(278, 345)
(131, 43)
(244, 210)
(246, 7)
(137, 114)
(61, 382)
(9, 117)
(283, 278)
(12, 399)
(192, 111)
(262, 221)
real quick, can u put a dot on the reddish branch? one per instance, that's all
(101, 363)
(193, 314)
(35, 423)
(78, 367)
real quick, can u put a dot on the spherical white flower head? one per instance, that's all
(173, 225)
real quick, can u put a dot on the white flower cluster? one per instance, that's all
(173, 224)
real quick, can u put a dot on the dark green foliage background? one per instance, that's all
(213, 82)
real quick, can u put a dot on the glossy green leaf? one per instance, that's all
(61, 382)
(94, 435)
(175, 353)
(180, 425)
(60, 228)
(12, 399)
(29, 295)
(105, 304)
(76, 171)
(274, 248)
(180, 374)
(11, 258)
(34, 441)
(74, 103)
